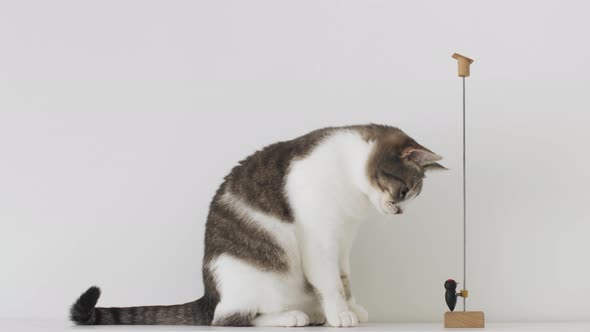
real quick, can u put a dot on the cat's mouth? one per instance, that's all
(394, 208)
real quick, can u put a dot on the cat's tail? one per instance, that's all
(84, 312)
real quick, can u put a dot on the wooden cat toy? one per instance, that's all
(462, 319)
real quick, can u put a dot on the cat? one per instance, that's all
(280, 229)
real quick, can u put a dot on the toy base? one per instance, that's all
(464, 319)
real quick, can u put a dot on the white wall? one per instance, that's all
(113, 116)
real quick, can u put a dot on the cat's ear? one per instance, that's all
(420, 156)
(434, 167)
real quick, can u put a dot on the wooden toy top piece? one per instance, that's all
(464, 63)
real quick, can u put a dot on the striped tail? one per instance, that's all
(84, 312)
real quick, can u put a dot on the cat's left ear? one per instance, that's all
(420, 156)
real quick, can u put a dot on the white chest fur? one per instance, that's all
(330, 184)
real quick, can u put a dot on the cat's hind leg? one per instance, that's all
(282, 319)
(251, 296)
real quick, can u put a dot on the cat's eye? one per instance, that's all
(404, 191)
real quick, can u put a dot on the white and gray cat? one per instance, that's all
(280, 229)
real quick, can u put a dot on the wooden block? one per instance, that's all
(464, 63)
(464, 319)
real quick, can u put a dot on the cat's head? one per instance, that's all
(396, 171)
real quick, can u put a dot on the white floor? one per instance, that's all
(51, 326)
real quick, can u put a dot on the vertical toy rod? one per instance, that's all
(464, 204)
(463, 71)
(462, 319)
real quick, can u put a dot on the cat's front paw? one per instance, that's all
(344, 319)
(361, 313)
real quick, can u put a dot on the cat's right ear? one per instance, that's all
(434, 167)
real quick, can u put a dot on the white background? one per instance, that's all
(118, 120)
